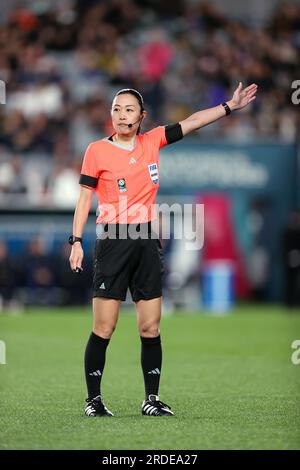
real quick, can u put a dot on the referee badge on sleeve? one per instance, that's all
(122, 185)
(153, 170)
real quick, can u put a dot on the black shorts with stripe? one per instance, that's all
(122, 262)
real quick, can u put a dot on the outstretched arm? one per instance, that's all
(241, 98)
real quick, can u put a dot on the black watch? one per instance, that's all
(227, 109)
(73, 239)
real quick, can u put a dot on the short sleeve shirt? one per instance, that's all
(125, 181)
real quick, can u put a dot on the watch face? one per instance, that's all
(71, 240)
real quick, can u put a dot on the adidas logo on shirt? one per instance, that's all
(102, 286)
(132, 160)
(154, 371)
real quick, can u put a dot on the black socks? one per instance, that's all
(94, 361)
(151, 359)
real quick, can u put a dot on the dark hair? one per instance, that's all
(133, 92)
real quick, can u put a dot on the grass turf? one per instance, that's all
(230, 381)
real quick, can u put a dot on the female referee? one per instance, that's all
(123, 171)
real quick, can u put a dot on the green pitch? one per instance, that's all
(230, 381)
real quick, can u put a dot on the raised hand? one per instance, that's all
(243, 96)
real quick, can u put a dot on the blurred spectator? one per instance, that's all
(260, 224)
(12, 179)
(291, 244)
(7, 276)
(63, 186)
(38, 274)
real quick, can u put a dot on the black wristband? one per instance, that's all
(73, 239)
(227, 109)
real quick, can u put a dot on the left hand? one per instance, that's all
(242, 97)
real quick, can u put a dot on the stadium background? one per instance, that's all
(62, 62)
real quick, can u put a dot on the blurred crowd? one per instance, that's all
(39, 276)
(63, 64)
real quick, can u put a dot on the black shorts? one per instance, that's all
(122, 263)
